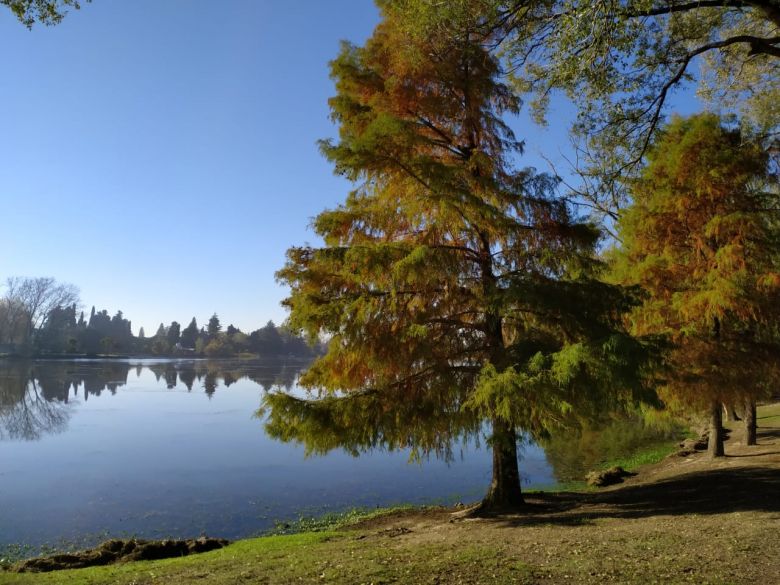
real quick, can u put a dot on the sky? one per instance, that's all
(161, 154)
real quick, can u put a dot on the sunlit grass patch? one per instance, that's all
(769, 414)
(644, 456)
(318, 557)
(235, 563)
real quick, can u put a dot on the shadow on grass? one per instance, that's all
(769, 433)
(706, 492)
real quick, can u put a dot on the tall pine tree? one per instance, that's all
(701, 238)
(190, 334)
(454, 289)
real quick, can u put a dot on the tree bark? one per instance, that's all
(750, 421)
(731, 412)
(715, 441)
(504, 489)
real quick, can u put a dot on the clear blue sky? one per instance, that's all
(160, 154)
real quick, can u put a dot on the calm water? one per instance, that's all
(157, 448)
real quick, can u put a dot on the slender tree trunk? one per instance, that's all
(504, 489)
(731, 412)
(715, 442)
(504, 492)
(750, 421)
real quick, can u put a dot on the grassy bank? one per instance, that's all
(645, 456)
(315, 557)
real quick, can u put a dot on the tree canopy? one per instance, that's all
(28, 304)
(452, 286)
(48, 12)
(190, 334)
(620, 62)
(701, 238)
(214, 326)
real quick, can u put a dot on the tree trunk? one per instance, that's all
(715, 442)
(750, 421)
(504, 489)
(731, 412)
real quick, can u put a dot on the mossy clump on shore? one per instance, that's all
(114, 551)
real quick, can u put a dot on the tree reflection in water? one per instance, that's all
(36, 397)
(30, 407)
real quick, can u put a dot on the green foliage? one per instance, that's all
(240, 341)
(219, 346)
(452, 287)
(46, 12)
(575, 383)
(214, 326)
(421, 421)
(173, 333)
(702, 239)
(160, 346)
(619, 63)
(190, 334)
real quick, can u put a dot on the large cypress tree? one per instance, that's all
(453, 288)
(702, 239)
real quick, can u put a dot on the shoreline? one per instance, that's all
(683, 519)
(308, 520)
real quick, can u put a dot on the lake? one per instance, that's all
(158, 448)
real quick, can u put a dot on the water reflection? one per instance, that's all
(159, 448)
(36, 397)
(31, 407)
(574, 454)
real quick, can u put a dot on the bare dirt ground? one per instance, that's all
(684, 520)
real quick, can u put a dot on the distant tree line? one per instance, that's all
(39, 316)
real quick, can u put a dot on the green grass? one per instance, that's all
(768, 415)
(644, 456)
(291, 552)
(314, 557)
(225, 565)
(333, 521)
